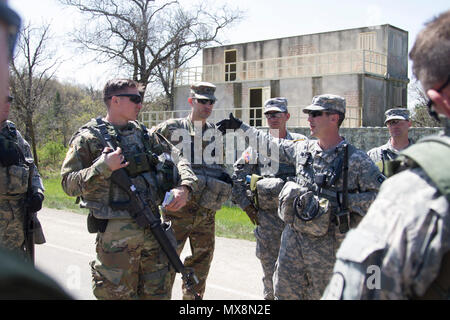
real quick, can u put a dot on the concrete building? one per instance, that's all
(368, 66)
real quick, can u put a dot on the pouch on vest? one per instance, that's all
(268, 190)
(320, 215)
(138, 163)
(14, 179)
(254, 178)
(214, 192)
(286, 198)
(388, 167)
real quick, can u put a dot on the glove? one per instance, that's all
(232, 123)
(35, 202)
(252, 213)
(306, 206)
(9, 155)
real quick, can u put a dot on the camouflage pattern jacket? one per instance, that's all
(251, 162)
(397, 250)
(14, 179)
(364, 178)
(85, 173)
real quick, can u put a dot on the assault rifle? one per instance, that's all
(147, 215)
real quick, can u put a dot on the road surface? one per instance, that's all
(235, 271)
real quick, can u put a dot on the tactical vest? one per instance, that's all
(135, 145)
(432, 154)
(15, 177)
(214, 184)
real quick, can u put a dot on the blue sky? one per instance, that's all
(264, 19)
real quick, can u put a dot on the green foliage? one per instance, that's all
(51, 155)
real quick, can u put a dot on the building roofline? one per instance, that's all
(308, 34)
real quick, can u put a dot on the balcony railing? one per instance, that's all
(308, 65)
(252, 116)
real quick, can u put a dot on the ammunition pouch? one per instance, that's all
(167, 176)
(213, 192)
(138, 163)
(95, 225)
(14, 179)
(388, 167)
(286, 199)
(267, 191)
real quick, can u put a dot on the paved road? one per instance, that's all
(235, 272)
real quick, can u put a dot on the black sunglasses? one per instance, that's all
(430, 102)
(13, 22)
(319, 113)
(205, 101)
(9, 99)
(135, 98)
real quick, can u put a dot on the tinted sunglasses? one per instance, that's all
(135, 98)
(205, 101)
(430, 102)
(274, 115)
(13, 21)
(319, 113)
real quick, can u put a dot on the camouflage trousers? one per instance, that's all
(305, 264)
(12, 235)
(268, 238)
(130, 263)
(197, 224)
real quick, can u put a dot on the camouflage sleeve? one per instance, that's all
(36, 181)
(374, 154)
(286, 148)
(367, 182)
(161, 143)
(84, 169)
(245, 165)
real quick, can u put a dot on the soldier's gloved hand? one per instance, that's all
(35, 202)
(9, 155)
(252, 213)
(231, 123)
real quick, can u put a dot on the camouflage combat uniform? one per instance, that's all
(130, 263)
(401, 248)
(196, 220)
(305, 261)
(270, 226)
(385, 152)
(14, 182)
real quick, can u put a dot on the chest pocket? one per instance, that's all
(14, 179)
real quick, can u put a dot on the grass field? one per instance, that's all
(231, 222)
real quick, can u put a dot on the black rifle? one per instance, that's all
(343, 216)
(147, 215)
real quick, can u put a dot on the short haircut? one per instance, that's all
(116, 86)
(431, 51)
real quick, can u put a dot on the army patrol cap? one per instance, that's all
(396, 114)
(326, 102)
(203, 90)
(276, 104)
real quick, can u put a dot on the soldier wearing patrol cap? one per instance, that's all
(196, 220)
(398, 123)
(312, 207)
(262, 206)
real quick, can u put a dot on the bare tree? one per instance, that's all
(33, 66)
(420, 116)
(147, 39)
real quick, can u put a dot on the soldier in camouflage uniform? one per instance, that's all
(17, 172)
(398, 123)
(312, 208)
(130, 263)
(196, 220)
(401, 249)
(264, 213)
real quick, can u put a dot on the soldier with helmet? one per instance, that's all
(199, 142)
(401, 249)
(398, 124)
